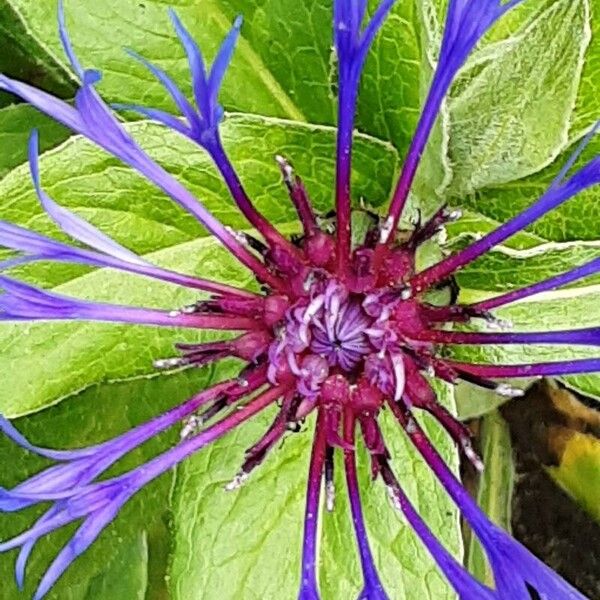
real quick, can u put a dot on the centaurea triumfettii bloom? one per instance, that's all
(340, 330)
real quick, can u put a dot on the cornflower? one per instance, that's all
(339, 330)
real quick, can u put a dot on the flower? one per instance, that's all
(344, 332)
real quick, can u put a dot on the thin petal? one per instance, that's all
(23, 301)
(65, 480)
(44, 102)
(27, 548)
(178, 96)
(93, 119)
(10, 431)
(375, 25)
(42, 248)
(70, 223)
(351, 53)
(308, 584)
(79, 543)
(588, 337)
(197, 68)
(373, 589)
(222, 60)
(459, 578)
(158, 115)
(512, 564)
(66, 42)
(466, 23)
(568, 367)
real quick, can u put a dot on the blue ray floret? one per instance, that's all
(337, 331)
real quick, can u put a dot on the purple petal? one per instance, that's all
(155, 114)
(197, 68)
(568, 367)
(558, 281)
(44, 102)
(351, 52)
(65, 480)
(375, 25)
(27, 548)
(587, 138)
(93, 119)
(308, 583)
(221, 62)
(10, 431)
(466, 23)
(103, 500)
(589, 336)
(178, 96)
(70, 223)
(79, 543)
(512, 564)
(66, 42)
(22, 301)
(43, 248)
(373, 589)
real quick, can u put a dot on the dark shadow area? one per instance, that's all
(545, 518)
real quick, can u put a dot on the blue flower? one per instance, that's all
(338, 331)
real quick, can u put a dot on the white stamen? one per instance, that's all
(310, 279)
(400, 375)
(239, 237)
(330, 496)
(190, 426)
(411, 426)
(168, 363)
(313, 308)
(386, 230)
(236, 482)
(286, 168)
(406, 293)
(472, 455)
(505, 389)
(499, 324)
(394, 499)
(189, 309)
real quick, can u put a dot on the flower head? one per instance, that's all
(341, 331)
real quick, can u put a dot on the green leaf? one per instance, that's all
(505, 269)
(16, 123)
(129, 559)
(284, 62)
(100, 31)
(513, 116)
(47, 361)
(28, 58)
(245, 542)
(587, 108)
(474, 401)
(494, 494)
(576, 219)
(127, 573)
